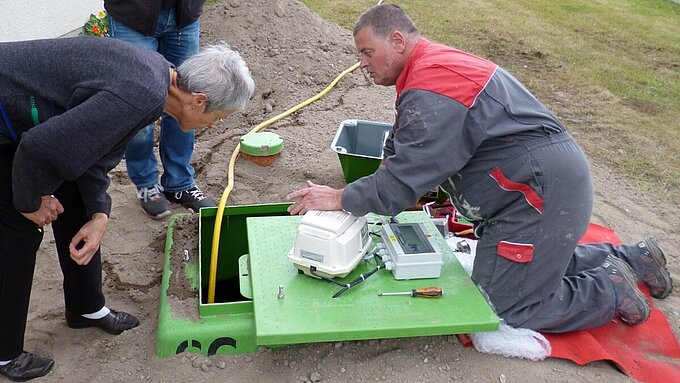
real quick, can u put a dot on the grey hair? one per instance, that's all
(221, 74)
(385, 19)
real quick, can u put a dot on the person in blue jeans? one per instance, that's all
(170, 27)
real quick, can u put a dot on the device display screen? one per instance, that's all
(411, 239)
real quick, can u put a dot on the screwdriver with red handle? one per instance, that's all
(426, 292)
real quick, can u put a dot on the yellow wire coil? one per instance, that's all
(212, 280)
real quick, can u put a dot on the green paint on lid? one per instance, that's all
(261, 144)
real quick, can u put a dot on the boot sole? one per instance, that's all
(660, 260)
(629, 276)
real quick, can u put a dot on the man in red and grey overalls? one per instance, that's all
(510, 167)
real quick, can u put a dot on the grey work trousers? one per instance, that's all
(531, 207)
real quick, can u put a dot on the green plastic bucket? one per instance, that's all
(359, 145)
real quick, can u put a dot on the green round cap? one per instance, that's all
(261, 144)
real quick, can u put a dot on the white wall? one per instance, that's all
(36, 19)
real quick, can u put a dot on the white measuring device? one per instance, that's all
(332, 243)
(412, 251)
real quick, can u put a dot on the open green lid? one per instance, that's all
(306, 311)
(261, 144)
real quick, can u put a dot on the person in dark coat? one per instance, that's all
(68, 108)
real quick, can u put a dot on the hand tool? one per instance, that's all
(346, 286)
(357, 280)
(427, 292)
(464, 232)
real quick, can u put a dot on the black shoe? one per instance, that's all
(193, 199)
(631, 304)
(26, 366)
(114, 322)
(652, 264)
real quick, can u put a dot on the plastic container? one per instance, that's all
(262, 147)
(359, 145)
(412, 250)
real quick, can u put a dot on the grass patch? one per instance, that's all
(608, 68)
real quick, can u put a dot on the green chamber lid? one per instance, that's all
(261, 144)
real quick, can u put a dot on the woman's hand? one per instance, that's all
(49, 210)
(88, 239)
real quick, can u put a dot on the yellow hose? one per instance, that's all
(230, 175)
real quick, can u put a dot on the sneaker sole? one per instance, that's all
(660, 260)
(629, 276)
(192, 210)
(158, 216)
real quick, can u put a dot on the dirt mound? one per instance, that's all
(293, 55)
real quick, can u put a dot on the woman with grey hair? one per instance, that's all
(215, 83)
(221, 74)
(68, 108)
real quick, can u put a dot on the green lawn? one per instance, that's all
(610, 69)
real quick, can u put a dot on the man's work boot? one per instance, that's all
(631, 304)
(650, 267)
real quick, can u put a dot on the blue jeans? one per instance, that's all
(175, 146)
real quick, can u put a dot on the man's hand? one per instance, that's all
(315, 197)
(88, 239)
(49, 209)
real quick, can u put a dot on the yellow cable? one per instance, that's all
(212, 280)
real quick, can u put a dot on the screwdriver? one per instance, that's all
(426, 292)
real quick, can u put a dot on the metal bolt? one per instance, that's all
(185, 258)
(281, 292)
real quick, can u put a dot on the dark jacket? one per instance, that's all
(69, 108)
(142, 15)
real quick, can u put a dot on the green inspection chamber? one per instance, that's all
(262, 300)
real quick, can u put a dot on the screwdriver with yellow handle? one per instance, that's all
(426, 292)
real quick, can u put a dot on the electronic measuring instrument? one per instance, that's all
(332, 243)
(411, 251)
